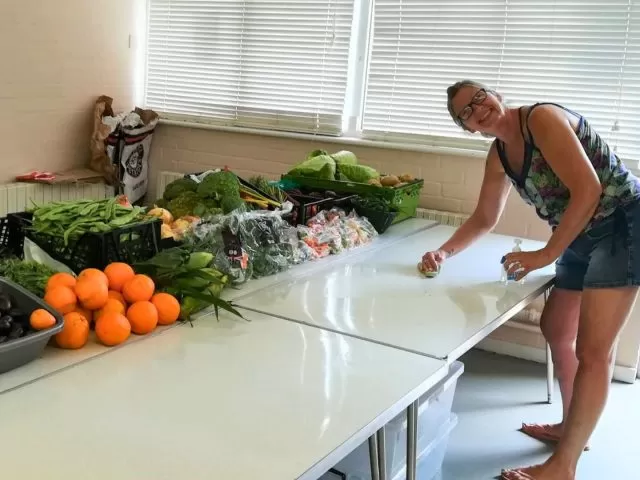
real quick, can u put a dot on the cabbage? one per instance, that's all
(316, 153)
(320, 166)
(344, 157)
(359, 173)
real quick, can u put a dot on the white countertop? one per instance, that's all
(269, 399)
(379, 295)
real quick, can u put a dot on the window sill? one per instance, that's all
(343, 140)
(632, 165)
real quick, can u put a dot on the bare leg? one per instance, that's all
(603, 315)
(559, 325)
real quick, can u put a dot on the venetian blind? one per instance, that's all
(252, 63)
(583, 54)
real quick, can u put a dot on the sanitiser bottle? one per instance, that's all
(505, 277)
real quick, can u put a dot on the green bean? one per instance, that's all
(74, 218)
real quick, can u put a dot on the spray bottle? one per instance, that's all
(505, 277)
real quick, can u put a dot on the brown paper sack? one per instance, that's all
(100, 161)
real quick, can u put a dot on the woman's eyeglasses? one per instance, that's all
(478, 98)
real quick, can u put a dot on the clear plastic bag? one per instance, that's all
(333, 231)
(250, 244)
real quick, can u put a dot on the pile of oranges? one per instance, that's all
(117, 301)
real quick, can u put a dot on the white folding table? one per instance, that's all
(266, 399)
(54, 360)
(390, 237)
(380, 297)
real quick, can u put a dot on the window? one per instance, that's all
(584, 54)
(382, 66)
(252, 63)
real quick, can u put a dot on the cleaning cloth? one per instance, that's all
(430, 273)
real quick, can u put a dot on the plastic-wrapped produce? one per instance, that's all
(333, 231)
(250, 244)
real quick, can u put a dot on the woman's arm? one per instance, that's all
(493, 196)
(561, 148)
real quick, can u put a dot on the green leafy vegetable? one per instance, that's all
(359, 173)
(187, 276)
(184, 204)
(223, 186)
(317, 153)
(178, 187)
(344, 157)
(267, 187)
(29, 274)
(320, 166)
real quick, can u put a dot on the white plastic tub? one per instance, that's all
(430, 459)
(434, 414)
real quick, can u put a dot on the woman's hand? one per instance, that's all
(431, 261)
(520, 264)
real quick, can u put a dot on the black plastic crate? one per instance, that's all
(17, 352)
(11, 238)
(130, 243)
(307, 205)
(381, 221)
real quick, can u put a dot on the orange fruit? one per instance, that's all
(74, 333)
(41, 319)
(60, 279)
(143, 317)
(62, 298)
(117, 296)
(93, 273)
(112, 305)
(139, 289)
(88, 314)
(112, 328)
(92, 293)
(167, 306)
(118, 273)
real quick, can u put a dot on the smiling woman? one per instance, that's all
(562, 167)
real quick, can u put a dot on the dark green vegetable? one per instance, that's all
(184, 204)
(178, 187)
(223, 186)
(28, 274)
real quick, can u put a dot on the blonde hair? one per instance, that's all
(453, 90)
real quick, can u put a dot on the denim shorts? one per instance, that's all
(605, 256)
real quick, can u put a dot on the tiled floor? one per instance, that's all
(496, 394)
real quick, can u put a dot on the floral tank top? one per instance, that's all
(540, 187)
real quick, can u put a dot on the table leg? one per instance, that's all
(373, 457)
(550, 376)
(382, 454)
(412, 440)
